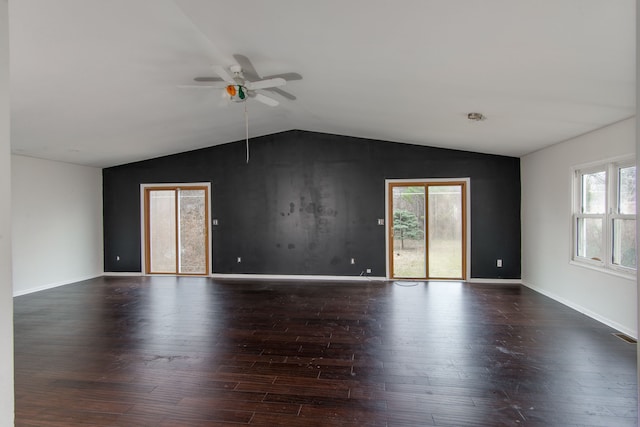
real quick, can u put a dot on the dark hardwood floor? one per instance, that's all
(166, 351)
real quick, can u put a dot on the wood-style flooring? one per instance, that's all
(178, 352)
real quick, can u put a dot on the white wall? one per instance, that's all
(57, 223)
(6, 300)
(546, 229)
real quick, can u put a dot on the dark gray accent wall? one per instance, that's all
(308, 202)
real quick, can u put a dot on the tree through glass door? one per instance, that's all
(427, 230)
(176, 230)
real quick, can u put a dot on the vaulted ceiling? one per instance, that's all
(98, 82)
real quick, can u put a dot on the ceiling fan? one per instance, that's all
(241, 81)
(238, 89)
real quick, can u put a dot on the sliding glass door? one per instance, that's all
(427, 231)
(176, 230)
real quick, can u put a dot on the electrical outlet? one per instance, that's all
(368, 271)
(117, 257)
(214, 221)
(499, 263)
(380, 221)
(353, 260)
(239, 259)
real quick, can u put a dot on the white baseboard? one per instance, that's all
(120, 273)
(297, 277)
(349, 278)
(54, 285)
(615, 325)
(496, 281)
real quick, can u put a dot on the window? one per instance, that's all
(604, 220)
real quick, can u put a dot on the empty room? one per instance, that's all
(289, 213)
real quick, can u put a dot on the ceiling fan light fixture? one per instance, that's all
(476, 117)
(237, 93)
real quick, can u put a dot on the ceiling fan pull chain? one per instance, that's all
(246, 129)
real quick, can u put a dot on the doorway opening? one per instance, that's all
(427, 229)
(175, 224)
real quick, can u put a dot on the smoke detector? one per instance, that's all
(476, 117)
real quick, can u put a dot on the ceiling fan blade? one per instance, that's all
(224, 74)
(266, 100)
(248, 69)
(282, 93)
(220, 85)
(207, 79)
(266, 84)
(287, 76)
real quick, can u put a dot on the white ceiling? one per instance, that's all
(96, 82)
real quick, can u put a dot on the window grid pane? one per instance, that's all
(162, 227)
(193, 232)
(589, 231)
(624, 243)
(627, 190)
(409, 255)
(594, 192)
(445, 231)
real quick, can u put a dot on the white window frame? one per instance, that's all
(610, 167)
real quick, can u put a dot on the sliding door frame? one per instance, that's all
(144, 250)
(466, 218)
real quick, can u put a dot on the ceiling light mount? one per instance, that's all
(476, 117)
